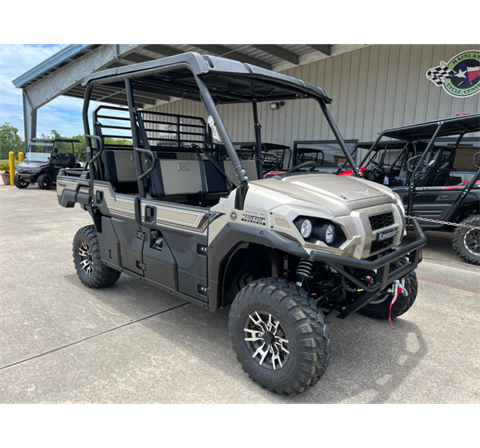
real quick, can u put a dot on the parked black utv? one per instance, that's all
(42, 163)
(435, 169)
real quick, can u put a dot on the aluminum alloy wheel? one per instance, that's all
(266, 340)
(86, 258)
(471, 240)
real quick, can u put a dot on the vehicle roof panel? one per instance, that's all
(451, 126)
(229, 81)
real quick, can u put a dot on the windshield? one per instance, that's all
(39, 152)
(37, 157)
(328, 154)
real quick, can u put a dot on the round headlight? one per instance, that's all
(306, 228)
(330, 234)
(326, 233)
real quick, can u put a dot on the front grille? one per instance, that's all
(379, 245)
(381, 221)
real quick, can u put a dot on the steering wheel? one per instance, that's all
(265, 156)
(311, 163)
(380, 169)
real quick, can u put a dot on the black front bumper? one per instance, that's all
(381, 265)
(29, 177)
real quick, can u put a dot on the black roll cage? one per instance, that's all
(186, 76)
(429, 132)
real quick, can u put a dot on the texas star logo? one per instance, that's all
(459, 77)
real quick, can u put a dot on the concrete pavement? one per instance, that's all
(61, 342)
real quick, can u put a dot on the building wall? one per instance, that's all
(373, 88)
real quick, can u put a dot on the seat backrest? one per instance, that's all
(119, 166)
(180, 176)
(65, 160)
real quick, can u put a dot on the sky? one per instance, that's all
(62, 114)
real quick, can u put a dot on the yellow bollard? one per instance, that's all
(20, 157)
(11, 157)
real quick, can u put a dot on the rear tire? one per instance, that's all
(45, 181)
(466, 242)
(282, 342)
(88, 261)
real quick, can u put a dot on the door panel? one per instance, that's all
(130, 245)
(434, 204)
(430, 203)
(182, 263)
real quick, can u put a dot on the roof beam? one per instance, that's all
(279, 52)
(137, 58)
(58, 83)
(221, 50)
(325, 49)
(162, 50)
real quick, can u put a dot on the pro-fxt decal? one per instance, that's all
(254, 218)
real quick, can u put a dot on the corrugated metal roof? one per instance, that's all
(263, 55)
(53, 63)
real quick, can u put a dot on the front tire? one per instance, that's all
(281, 341)
(20, 182)
(88, 261)
(466, 242)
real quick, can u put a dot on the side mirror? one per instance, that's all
(476, 157)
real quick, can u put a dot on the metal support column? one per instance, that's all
(29, 120)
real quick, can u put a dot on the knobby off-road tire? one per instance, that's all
(88, 262)
(466, 242)
(291, 327)
(380, 308)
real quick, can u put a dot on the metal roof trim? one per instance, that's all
(54, 60)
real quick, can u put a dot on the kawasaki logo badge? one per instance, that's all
(460, 77)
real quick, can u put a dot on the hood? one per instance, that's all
(338, 194)
(28, 164)
(337, 187)
(30, 167)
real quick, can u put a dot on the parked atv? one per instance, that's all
(424, 166)
(280, 252)
(42, 163)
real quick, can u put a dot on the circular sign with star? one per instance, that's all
(460, 77)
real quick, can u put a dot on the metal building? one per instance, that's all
(373, 87)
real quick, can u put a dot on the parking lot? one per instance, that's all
(62, 342)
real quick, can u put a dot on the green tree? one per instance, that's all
(9, 140)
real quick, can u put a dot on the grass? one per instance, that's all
(2, 161)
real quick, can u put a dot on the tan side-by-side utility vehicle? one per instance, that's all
(195, 221)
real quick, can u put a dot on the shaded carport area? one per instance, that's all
(62, 74)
